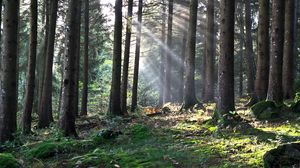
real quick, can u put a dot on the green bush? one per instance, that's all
(8, 161)
(297, 85)
(293, 105)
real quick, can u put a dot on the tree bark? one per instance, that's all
(263, 47)
(226, 60)
(67, 119)
(126, 58)
(189, 94)
(85, 60)
(209, 54)
(289, 50)
(168, 77)
(8, 95)
(115, 108)
(162, 56)
(30, 87)
(275, 75)
(45, 107)
(249, 49)
(137, 57)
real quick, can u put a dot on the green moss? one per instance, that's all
(44, 150)
(149, 157)
(49, 149)
(8, 161)
(139, 132)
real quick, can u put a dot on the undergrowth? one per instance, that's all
(170, 140)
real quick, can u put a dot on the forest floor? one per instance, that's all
(175, 139)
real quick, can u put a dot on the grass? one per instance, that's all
(168, 140)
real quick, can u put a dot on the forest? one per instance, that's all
(150, 83)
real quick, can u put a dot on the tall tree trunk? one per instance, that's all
(240, 20)
(85, 60)
(249, 49)
(115, 100)
(209, 54)
(26, 118)
(241, 68)
(181, 66)
(45, 108)
(0, 32)
(8, 97)
(126, 58)
(226, 60)
(289, 49)
(137, 57)
(189, 94)
(67, 119)
(162, 56)
(43, 54)
(263, 47)
(168, 77)
(77, 60)
(275, 75)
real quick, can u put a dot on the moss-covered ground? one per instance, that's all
(177, 139)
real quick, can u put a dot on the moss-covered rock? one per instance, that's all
(283, 156)
(266, 110)
(8, 161)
